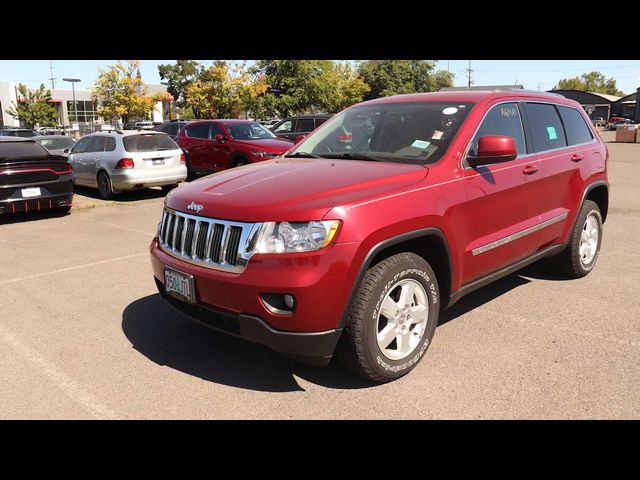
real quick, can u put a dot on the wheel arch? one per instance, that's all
(598, 192)
(236, 155)
(429, 243)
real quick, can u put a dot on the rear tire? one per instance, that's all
(581, 253)
(191, 174)
(392, 319)
(239, 161)
(167, 188)
(105, 189)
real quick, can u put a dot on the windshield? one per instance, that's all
(56, 143)
(149, 143)
(415, 133)
(248, 131)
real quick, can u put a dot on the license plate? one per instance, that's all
(179, 285)
(31, 192)
(155, 161)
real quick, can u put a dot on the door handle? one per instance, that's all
(576, 157)
(530, 169)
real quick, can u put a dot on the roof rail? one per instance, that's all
(110, 130)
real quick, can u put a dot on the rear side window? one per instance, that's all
(20, 150)
(546, 128)
(577, 130)
(320, 121)
(111, 144)
(199, 131)
(96, 144)
(171, 129)
(503, 119)
(304, 125)
(149, 143)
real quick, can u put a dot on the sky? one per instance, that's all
(533, 74)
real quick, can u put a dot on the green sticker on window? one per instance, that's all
(552, 133)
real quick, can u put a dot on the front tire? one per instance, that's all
(105, 189)
(392, 319)
(581, 253)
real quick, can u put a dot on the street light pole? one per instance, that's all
(73, 81)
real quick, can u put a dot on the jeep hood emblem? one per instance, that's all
(196, 207)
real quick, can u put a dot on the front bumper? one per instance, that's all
(314, 348)
(320, 282)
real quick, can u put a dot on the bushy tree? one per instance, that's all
(34, 107)
(222, 92)
(595, 82)
(120, 92)
(179, 77)
(393, 77)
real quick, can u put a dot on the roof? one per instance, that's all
(484, 88)
(17, 139)
(45, 137)
(462, 96)
(611, 98)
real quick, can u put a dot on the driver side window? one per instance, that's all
(503, 119)
(81, 145)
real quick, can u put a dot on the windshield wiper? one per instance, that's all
(301, 155)
(350, 156)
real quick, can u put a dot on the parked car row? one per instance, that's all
(616, 121)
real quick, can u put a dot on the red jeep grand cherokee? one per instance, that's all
(213, 145)
(356, 247)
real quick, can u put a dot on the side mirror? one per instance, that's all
(493, 149)
(299, 138)
(219, 138)
(67, 150)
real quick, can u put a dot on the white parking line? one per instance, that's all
(143, 232)
(77, 267)
(62, 381)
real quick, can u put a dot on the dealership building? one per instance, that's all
(62, 99)
(605, 106)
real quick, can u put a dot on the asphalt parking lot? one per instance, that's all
(83, 333)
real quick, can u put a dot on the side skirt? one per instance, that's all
(492, 277)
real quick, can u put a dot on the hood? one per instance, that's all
(274, 145)
(291, 189)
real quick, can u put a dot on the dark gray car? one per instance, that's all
(292, 127)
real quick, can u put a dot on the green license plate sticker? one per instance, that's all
(551, 131)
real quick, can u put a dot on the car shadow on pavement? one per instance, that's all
(133, 195)
(32, 216)
(168, 338)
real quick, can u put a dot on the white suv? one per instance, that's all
(117, 161)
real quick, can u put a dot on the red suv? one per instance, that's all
(213, 145)
(357, 246)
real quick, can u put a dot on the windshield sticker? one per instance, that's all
(552, 133)
(437, 135)
(449, 110)
(420, 144)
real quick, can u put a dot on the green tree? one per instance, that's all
(393, 77)
(342, 87)
(595, 82)
(294, 86)
(120, 92)
(222, 92)
(179, 77)
(443, 78)
(34, 107)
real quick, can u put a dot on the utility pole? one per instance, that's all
(538, 86)
(52, 78)
(469, 70)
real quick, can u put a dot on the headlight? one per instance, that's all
(281, 237)
(265, 154)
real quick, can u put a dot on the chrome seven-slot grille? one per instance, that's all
(209, 242)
